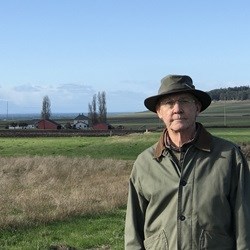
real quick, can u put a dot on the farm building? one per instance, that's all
(48, 124)
(102, 126)
(29, 124)
(80, 125)
(81, 122)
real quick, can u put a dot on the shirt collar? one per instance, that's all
(203, 141)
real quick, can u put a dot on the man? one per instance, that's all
(191, 190)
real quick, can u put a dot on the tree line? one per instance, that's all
(232, 93)
(97, 108)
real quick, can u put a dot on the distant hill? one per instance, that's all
(233, 93)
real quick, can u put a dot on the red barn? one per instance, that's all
(102, 126)
(48, 124)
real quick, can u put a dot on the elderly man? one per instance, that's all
(190, 190)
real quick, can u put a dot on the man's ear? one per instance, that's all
(158, 112)
(198, 108)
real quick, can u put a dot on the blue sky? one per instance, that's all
(72, 49)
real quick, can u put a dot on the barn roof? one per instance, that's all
(51, 121)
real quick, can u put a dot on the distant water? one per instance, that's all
(30, 116)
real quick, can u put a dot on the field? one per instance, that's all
(49, 201)
(219, 114)
(72, 191)
(115, 147)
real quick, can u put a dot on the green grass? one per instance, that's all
(104, 230)
(117, 147)
(230, 113)
(237, 135)
(124, 147)
(228, 121)
(238, 108)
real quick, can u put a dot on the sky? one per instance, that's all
(70, 50)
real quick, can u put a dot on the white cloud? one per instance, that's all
(27, 88)
(75, 88)
(74, 97)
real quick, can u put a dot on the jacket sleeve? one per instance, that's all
(242, 204)
(136, 207)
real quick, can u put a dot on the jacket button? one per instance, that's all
(183, 183)
(182, 217)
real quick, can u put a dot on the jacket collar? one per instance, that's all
(203, 141)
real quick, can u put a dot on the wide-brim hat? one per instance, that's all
(172, 84)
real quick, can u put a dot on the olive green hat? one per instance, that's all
(172, 84)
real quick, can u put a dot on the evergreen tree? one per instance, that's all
(46, 111)
(231, 93)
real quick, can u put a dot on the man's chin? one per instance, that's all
(178, 129)
(178, 125)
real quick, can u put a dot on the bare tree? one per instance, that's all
(46, 111)
(90, 114)
(102, 107)
(92, 111)
(101, 116)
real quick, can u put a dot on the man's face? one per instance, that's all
(178, 111)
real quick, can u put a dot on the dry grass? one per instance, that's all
(43, 189)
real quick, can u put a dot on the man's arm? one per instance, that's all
(242, 205)
(134, 226)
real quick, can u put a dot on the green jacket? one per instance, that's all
(206, 205)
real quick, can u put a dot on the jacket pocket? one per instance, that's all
(158, 242)
(214, 241)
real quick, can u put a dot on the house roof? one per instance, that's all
(81, 117)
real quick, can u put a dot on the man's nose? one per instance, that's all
(177, 106)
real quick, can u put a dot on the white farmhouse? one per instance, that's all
(81, 122)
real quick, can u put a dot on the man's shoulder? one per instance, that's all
(219, 141)
(145, 161)
(227, 148)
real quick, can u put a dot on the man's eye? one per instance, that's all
(171, 103)
(184, 101)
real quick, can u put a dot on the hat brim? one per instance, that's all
(204, 98)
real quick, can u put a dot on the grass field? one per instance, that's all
(116, 147)
(72, 191)
(103, 231)
(48, 199)
(57, 200)
(230, 113)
